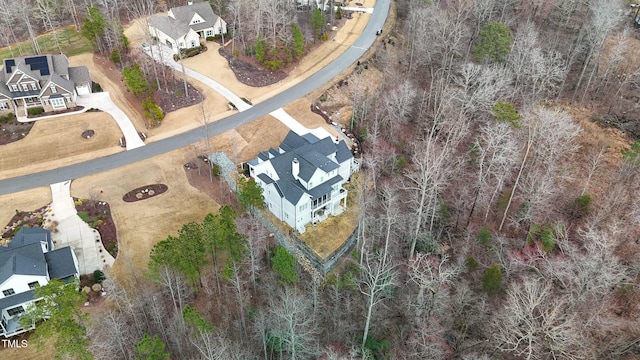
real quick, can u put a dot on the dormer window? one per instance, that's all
(33, 285)
(25, 87)
(33, 86)
(53, 89)
(8, 292)
(14, 87)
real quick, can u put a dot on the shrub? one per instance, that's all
(283, 264)
(246, 100)
(260, 49)
(11, 116)
(98, 276)
(471, 263)
(115, 56)
(484, 236)
(273, 65)
(492, 280)
(4, 119)
(135, 80)
(84, 216)
(232, 105)
(96, 87)
(152, 110)
(210, 38)
(580, 206)
(215, 170)
(35, 111)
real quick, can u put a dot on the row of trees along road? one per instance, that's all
(493, 222)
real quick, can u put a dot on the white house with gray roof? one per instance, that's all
(45, 81)
(29, 261)
(302, 180)
(185, 26)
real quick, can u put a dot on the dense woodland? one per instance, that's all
(495, 223)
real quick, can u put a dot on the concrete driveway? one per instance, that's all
(103, 101)
(73, 231)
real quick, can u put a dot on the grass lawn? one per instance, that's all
(71, 43)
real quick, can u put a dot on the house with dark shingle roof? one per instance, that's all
(302, 180)
(28, 261)
(45, 81)
(185, 26)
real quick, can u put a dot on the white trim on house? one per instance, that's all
(302, 180)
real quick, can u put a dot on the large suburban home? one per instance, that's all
(45, 81)
(185, 26)
(302, 180)
(29, 261)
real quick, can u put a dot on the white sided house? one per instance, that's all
(45, 81)
(29, 261)
(302, 180)
(185, 26)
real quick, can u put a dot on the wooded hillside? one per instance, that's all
(499, 216)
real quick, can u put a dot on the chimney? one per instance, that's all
(295, 168)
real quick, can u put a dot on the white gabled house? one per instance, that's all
(302, 180)
(27, 262)
(185, 26)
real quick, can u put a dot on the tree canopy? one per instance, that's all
(65, 321)
(494, 43)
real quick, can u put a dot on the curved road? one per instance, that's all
(362, 44)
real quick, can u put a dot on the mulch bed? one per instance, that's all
(87, 134)
(144, 192)
(250, 74)
(99, 213)
(218, 189)
(23, 218)
(13, 130)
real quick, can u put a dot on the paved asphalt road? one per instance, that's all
(366, 39)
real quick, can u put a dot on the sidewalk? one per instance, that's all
(73, 231)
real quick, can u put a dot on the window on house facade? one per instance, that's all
(34, 86)
(4, 106)
(286, 215)
(303, 207)
(193, 43)
(33, 284)
(209, 33)
(31, 99)
(57, 102)
(15, 311)
(8, 292)
(53, 89)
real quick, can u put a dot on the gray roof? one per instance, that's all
(25, 260)
(169, 26)
(54, 68)
(27, 236)
(60, 263)
(60, 64)
(17, 299)
(62, 82)
(79, 74)
(184, 14)
(312, 154)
